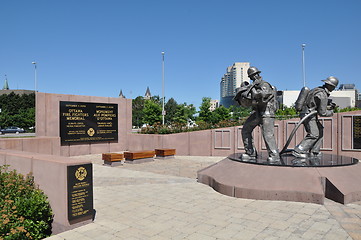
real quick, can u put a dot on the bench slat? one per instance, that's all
(112, 157)
(138, 155)
(163, 152)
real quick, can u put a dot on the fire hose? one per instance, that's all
(295, 129)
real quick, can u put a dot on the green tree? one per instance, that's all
(170, 108)
(220, 114)
(5, 119)
(238, 112)
(152, 112)
(286, 111)
(204, 113)
(26, 118)
(183, 113)
(137, 111)
(17, 110)
(156, 99)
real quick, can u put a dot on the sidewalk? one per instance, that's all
(162, 200)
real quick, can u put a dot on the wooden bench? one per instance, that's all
(164, 152)
(139, 156)
(113, 159)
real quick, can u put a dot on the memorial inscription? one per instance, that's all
(356, 128)
(80, 191)
(88, 122)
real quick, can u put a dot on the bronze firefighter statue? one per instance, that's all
(312, 103)
(261, 96)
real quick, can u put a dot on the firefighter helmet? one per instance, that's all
(333, 81)
(252, 71)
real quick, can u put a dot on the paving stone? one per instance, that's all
(335, 234)
(55, 237)
(253, 225)
(199, 236)
(73, 235)
(225, 233)
(355, 236)
(254, 216)
(265, 237)
(321, 227)
(280, 225)
(162, 200)
(283, 234)
(294, 237)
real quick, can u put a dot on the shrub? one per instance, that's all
(25, 211)
(347, 109)
(158, 128)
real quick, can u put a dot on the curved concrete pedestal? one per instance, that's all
(274, 182)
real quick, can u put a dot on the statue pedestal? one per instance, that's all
(291, 179)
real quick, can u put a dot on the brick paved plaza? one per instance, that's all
(163, 200)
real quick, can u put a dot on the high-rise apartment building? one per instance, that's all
(231, 80)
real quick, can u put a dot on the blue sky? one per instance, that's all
(97, 48)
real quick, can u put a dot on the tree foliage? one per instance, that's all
(220, 114)
(171, 109)
(17, 110)
(178, 116)
(238, 112)
(152, 112)
(213, 117)
(137, 111)
(347, 109)
(204, 113)
(184, 113)
(286, 111)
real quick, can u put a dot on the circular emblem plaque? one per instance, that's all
(91, 132)
(81, 173)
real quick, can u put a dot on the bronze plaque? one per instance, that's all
(88, 122)
(356, 129)
(80, 191)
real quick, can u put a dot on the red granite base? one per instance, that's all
(311, 185)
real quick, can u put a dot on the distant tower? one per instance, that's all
(233, 78)
(121, 95)
(147, 94)
(6, 84)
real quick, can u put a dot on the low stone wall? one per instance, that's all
(338, 133)
(50, 173)
(338, 138)
(43, 145)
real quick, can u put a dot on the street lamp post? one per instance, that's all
(163, 112)
(303, 64)
(35, 76)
